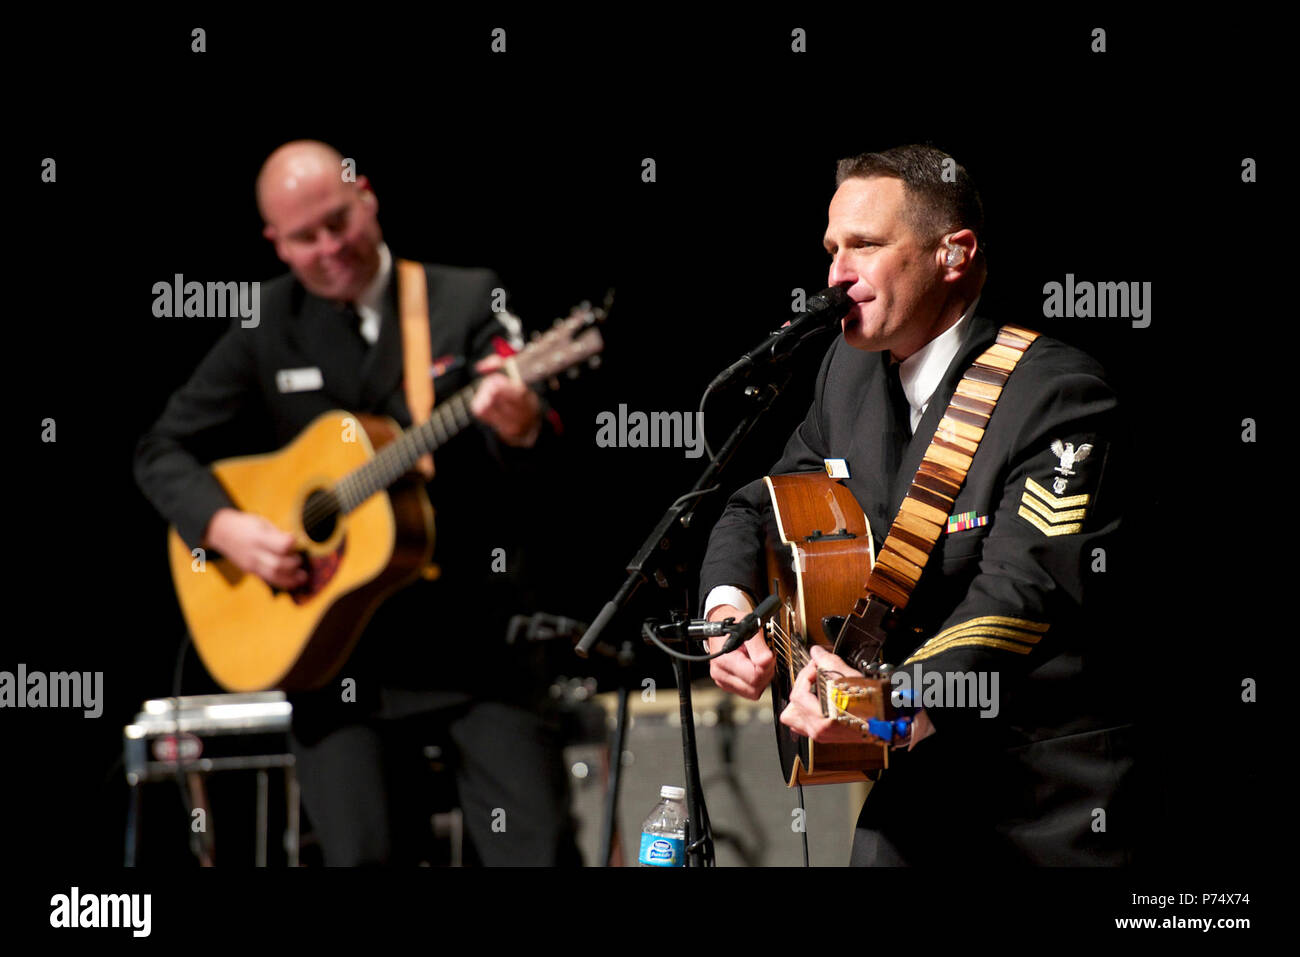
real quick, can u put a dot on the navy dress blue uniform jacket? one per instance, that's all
(445, 635)
(1024, 595)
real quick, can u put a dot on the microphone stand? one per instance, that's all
(767, 362)
(651, 560)
(658, 560)
(660, 556)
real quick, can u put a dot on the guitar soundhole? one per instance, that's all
(320, 515)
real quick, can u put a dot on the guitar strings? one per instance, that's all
(792, 651)
(386, 466)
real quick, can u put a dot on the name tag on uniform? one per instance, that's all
(837, 468)
(299, 380)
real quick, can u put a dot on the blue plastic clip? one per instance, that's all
(883, 730)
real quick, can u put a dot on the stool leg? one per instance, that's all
(294, 838)
(458, 838)
(205, 841)
(263, 793)
(133, 809)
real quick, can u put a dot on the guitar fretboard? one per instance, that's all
(394, 460)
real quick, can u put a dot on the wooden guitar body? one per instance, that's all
(818, 556)
(253, 637)
(348, 491)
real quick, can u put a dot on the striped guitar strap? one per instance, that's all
(924, 512)
(417, 355)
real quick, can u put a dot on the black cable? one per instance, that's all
(196, 842)
(179, 670)
(648, 631)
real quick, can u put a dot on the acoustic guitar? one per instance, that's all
(819, 555)
(346, 488)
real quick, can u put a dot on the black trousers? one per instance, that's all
(368, 787)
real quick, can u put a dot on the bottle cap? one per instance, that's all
(672, 793)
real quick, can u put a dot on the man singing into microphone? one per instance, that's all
(1039, 774)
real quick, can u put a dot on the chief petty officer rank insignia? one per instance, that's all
(1049, 510)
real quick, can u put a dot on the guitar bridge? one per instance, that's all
(817, 535)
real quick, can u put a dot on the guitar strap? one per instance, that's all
(924, 512)
(417, 354)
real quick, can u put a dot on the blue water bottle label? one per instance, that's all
(660, 851)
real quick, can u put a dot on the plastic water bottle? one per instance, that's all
(663, 834)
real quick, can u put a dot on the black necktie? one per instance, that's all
(901, 428)
(352, 319)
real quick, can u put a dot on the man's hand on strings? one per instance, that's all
(803, 715)
(747, 670)
(255, 545)
(509, 408)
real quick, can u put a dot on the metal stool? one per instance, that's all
(447, 821)
(169, 741)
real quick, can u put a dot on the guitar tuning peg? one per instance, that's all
(594, 362)
(574, 372)
(553, 382)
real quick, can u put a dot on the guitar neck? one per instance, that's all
(448, 419)
(569, 342)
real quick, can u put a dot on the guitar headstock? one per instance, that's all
(565, 346)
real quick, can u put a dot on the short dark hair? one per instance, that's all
(938, 204)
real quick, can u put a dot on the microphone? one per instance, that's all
(746, 626)
(824, 310)
(736, 631)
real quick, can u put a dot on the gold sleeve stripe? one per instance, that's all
(932, 646)
(949, 636)
(985, 642)
(1029, 637)
(1054, 517)
(1039, 626)
(1055, 501)
(1049, 530)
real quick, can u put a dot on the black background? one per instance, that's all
(1120, 166)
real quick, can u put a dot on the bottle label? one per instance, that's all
(660, 851)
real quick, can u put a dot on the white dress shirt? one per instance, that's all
(369, 304)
